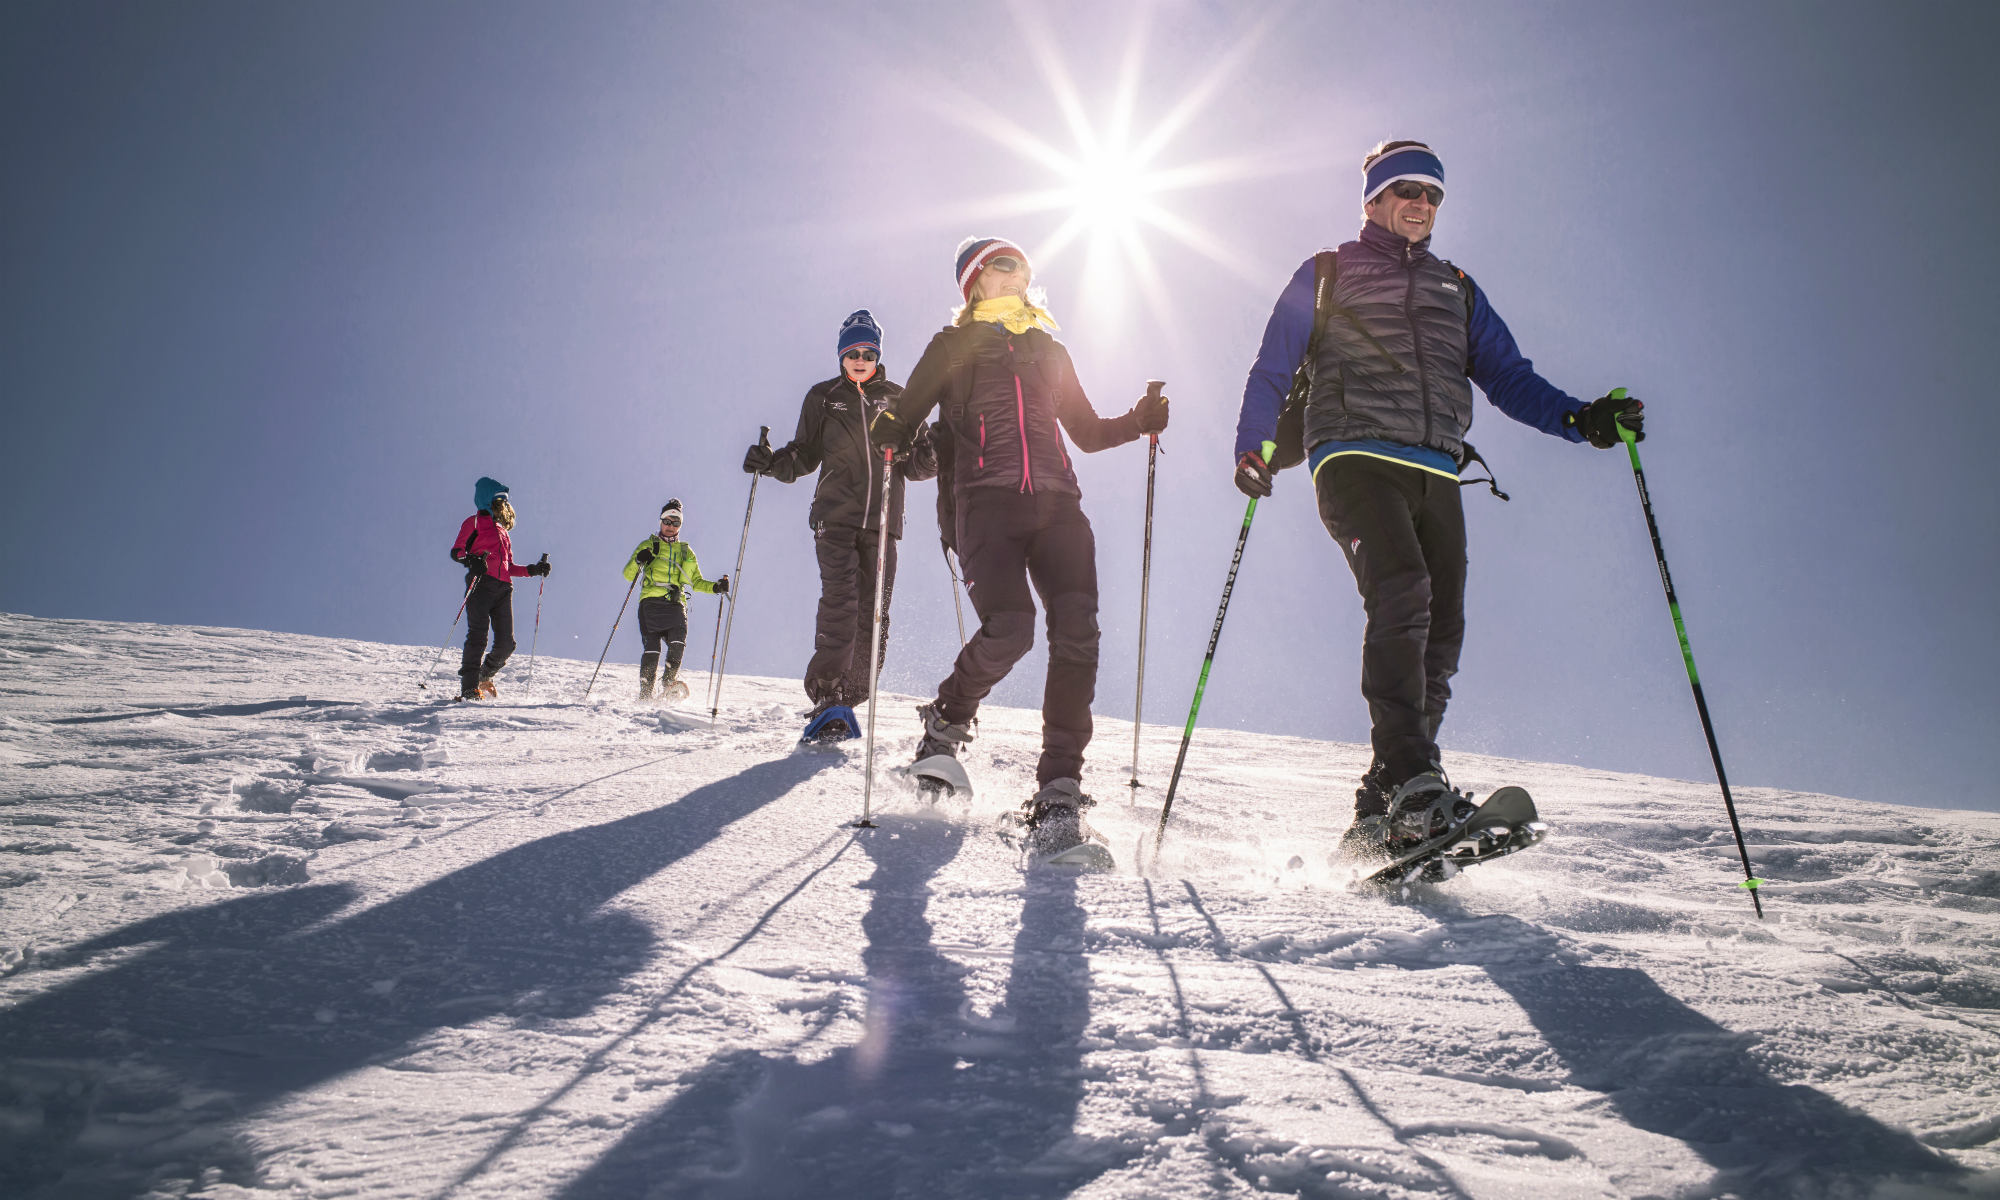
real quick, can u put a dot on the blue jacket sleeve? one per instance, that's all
(1508, 378)
(1285, 338)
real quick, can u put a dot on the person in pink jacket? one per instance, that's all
(487, 554)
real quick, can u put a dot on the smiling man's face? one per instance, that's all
(1411, 218)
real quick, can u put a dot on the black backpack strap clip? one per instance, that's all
(1467, 455)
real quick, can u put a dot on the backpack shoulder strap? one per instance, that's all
(1326, 273)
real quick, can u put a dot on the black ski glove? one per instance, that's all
(1152, 413)
(757, 460)
(1253, 478)
(722, 586)
(1598, 421)
(645, 555)
(540, 568)
(476, 564)
(892, 431)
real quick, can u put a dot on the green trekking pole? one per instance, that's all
(1201, 685)
(1750, 881)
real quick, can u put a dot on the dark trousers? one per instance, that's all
(491, 603)
(1403, 532)
(837, 673)
(1008, 540)
(662, 619)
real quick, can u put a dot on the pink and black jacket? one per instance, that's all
(481, 534)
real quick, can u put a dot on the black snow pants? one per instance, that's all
(491, 603)
(1403, 532)
(1008, 540)
(837, 673)
(662, 619)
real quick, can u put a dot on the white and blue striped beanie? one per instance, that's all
(1415, 161)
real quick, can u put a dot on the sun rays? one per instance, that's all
(1113, 180)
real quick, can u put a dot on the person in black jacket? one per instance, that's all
(1007, 391)
(849, 515)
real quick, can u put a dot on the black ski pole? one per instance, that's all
(875, 642)
(424, 681)
(1750, 881)
(1153, 389)
(537, 639)
(957, 605)
(1201, 685)
(736, 585)
(613, 633)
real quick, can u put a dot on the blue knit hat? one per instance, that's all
(1416, 161)
(486, 491)
(973, 255)
(859, 332)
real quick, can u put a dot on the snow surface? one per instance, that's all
(273, 925)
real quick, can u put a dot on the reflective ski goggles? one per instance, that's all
(1410, 189)
(866, 356)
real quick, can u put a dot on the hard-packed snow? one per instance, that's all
(275, 924)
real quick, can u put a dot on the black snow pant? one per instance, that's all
(837, 673)
(662, 619)
(1403, 532)
(1008, 540)
(491, 603)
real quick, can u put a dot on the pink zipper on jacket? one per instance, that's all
(1021, 420)
(982, 441)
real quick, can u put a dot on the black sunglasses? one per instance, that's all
(1004, 264)
(862, 355)
(670, 520)
(1410, 189)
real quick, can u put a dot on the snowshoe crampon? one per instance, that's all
(835, 723)
(1086, 857)
(1506, 823)
(939, 776)
(676, 692)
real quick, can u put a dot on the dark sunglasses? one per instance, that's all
(862, 355)
(1005, 263)
(670, 520)
(1410, 189)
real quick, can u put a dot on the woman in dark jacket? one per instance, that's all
(1006, 391)
(849, 515)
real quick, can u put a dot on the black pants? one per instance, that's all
(846, 620)
(491, 603)
(1008, 540)
(662, 619)
(1403, 532)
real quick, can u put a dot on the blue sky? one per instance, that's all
(280, 281)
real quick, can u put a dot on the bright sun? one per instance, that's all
(1111, 186)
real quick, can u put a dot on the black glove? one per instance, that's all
(1253, 478)
(722, 586)
(1598, 421)
(889, 430)
(540, 568)
(1152, 413)
(645, 555)
(476, 564)
(757, 460)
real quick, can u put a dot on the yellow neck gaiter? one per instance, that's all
(1016, 314)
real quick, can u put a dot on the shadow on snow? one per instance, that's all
(230, 1007)
(927, 1103)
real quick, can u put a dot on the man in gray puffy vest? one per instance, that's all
(1390, 340)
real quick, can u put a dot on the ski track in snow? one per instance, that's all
(272, 924)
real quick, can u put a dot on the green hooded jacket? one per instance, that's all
(672, 570)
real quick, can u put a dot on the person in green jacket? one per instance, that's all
(671, 570)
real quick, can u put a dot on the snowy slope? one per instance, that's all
(274, 926)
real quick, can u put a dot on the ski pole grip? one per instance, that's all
(1153, 389)
(764, 436)
(1624, 434)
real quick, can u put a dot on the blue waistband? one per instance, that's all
(1423, 458)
